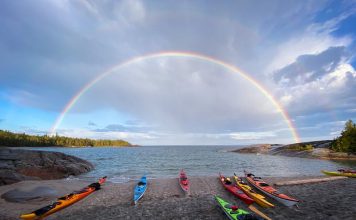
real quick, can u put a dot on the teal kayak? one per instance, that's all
(235, 213)
(140, 189)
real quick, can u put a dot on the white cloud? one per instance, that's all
(327, 90)
(83, 133)
(319, 81)
(131, 10)
(252, 135)
(80, 39)
(316, 38)
(183, 95)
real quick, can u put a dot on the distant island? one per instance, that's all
(341, 148)
(10, 139)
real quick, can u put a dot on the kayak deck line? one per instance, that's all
(305, 181)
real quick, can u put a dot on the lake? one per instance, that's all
(124, 164)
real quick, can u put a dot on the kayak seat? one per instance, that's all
(95, 185)
(46, 209)
(263, 184)
(141, 183)
(66, 197)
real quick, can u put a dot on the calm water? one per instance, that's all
(123, 164)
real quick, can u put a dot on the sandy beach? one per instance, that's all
(165, 200)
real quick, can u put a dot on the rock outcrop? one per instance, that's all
(316, 150)
(17, 165)
(254, 149)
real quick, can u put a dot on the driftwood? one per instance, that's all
(314, 180)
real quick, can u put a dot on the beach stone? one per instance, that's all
(18, 164)
(23, 196)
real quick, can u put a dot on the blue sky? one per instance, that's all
(302, 52)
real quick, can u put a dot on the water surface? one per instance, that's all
(123, 164)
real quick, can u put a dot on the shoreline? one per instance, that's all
(164, 199)
(321, 153)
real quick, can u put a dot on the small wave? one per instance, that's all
(71, 178)
(119, 179)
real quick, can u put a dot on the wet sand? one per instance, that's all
(164, 199)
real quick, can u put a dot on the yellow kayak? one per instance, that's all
(337, 173)
(259, 199)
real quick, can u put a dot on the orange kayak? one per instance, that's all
(269, 190)
(64, 201)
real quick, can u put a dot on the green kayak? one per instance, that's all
(233, 212)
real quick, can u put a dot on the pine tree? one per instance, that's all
(347, 141)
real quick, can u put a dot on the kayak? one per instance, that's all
(235, 190)
(64, 201)
(233, 212)
(140, 189)
(346, 171)
(183, 181)
(269, 190)
(337, 173)
(259, 199)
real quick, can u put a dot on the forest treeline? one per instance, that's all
(347, 141)
(11, 139)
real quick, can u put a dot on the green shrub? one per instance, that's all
(300, 147)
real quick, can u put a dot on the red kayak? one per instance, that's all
(183, 181)
(235, 190)
(269, 190)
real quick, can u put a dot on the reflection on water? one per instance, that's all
(123, 164)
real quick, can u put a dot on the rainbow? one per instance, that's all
(230, 67)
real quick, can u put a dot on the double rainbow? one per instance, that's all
(191, 55)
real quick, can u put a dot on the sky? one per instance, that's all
(302, 53)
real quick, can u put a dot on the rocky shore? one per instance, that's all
(314, 150)
(164, 199)
(17, 165)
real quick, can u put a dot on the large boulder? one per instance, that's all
(38, 193)
(17, 165)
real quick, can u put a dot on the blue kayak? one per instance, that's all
(140, 189)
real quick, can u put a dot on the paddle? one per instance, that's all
(258, 212)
